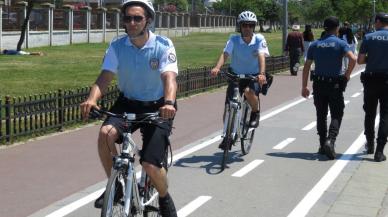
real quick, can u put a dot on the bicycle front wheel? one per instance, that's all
(247, 133)
(113, 205)
(229, 138)
(151, 199)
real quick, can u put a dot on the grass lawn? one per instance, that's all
(78, 65)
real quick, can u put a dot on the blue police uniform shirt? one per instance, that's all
(139, 69)
(375, 46)
(327, 54)
(245, 57)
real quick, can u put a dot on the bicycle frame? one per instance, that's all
(136, 188)
(133, 187)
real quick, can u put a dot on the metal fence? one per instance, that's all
(35, 115)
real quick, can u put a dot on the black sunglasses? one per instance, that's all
(137, 19)
(245, 25)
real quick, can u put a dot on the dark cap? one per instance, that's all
(383, 17)
(330, 23)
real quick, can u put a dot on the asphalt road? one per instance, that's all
(281, 176)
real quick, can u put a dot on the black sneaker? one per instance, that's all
(379, 156)
(99, 201)
(254, 119)
(167, 207)
(370, 147)
(328, 148)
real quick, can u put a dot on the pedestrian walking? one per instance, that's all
(294, 48)
(308, 37)
(374, 53)
(329, 83)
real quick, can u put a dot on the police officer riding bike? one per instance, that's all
(247, 51)
(145, 65)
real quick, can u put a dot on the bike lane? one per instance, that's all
(40, 172)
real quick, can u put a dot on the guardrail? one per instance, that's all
(50, 112)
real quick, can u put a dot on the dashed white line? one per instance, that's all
(252, 165)
(193, 205)
(310, 126)
(356, 95)
(284, 143)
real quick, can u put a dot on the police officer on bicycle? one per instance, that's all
(328, 83)
(374, 53)
(248, 52)
(146, 67)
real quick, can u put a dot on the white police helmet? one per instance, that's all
(146, 3)
(247, 16)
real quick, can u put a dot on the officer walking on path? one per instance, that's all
(146, 67)
(329, 83)
(374, 53)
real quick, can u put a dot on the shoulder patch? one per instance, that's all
(171, 58)
(163, 40)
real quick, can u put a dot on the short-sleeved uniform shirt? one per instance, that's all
(327, 54)
(375, 46)
(244, 57)
(139, 69)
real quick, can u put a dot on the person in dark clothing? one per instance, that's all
(374, 53)
(329, 83)
(294, 48)
(308, 37)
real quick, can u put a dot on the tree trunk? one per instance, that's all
(24, 26)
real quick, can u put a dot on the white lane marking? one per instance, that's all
(76, 204)
(193, 205)
(356, 95)
(284, 143)
(95, 195)
(310, 126)
(346, 102)
(252, 165)
(317, 191)
(277, 111)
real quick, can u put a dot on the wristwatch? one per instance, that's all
(169, 102)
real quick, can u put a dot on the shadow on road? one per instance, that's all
(211, 163)
(315, 156)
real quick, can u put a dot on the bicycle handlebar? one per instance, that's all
(237, 77)
(132, 117)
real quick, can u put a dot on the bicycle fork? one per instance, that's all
(131, 190)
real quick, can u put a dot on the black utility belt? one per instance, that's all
(319, 78)
(122, 98)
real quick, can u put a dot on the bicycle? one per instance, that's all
(236, 119)
(126, 194)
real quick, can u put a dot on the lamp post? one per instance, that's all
(374, 8)
(285, 23)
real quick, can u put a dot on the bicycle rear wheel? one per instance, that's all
(247, 133)
(229, 139)
(114, 195)
(151, 196)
